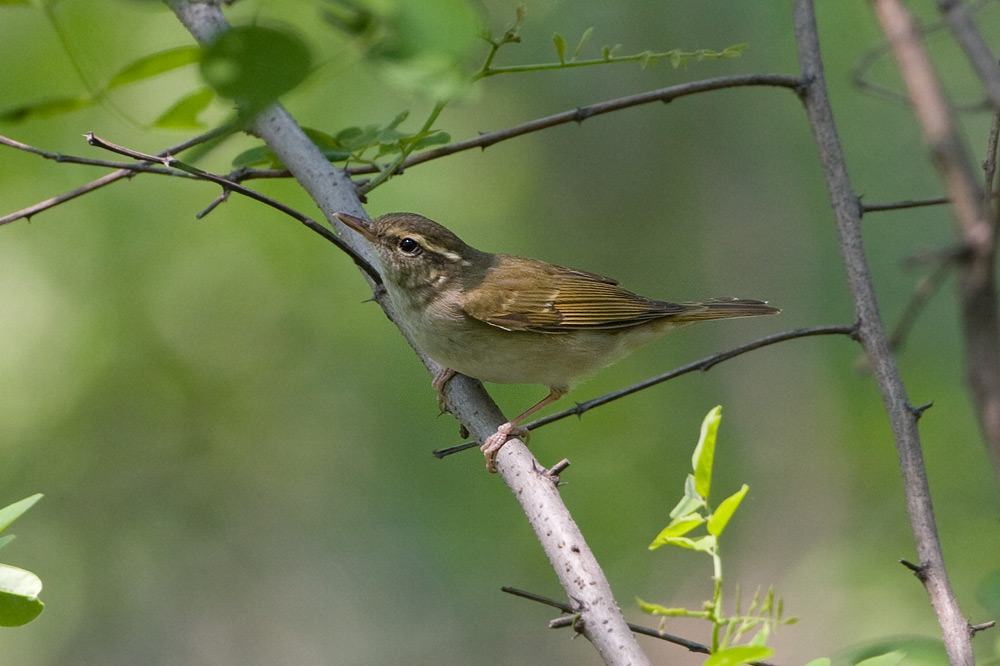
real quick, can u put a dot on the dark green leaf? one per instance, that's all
(19, 603)
(44, 109)
(255, 157)
(435, 139)
(988, 593)
(184, 114)
(154, 64)
(255, 65)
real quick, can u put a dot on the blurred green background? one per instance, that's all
(235, 450)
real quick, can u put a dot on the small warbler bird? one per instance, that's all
(512, 320)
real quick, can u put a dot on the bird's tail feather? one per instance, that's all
(724, 308)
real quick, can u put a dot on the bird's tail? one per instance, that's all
(724, 308)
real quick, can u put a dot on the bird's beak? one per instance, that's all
(363, 227)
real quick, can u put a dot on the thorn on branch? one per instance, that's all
(919, 410)
(976, 628)
(919, 570)
(556, 469)
(565, 621)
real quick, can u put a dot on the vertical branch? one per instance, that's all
(902, 416)
(976, 223)
(600, 618)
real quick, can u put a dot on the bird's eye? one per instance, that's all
(409, 246)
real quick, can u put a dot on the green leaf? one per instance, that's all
(687, 504)
(720, 517)
(560, 43)
(255, 65)
(44, 109)
(704, 453)
(154, 64)
(12, 512)
(887, 659)
(738, 655)
(433, 139)
(821, 661)
(677, 527)
(19, 603)
(703, 544)
(255, 157)
(583, 42)
(184, 113)
(4, 540)
(657, 609)
(988, 593)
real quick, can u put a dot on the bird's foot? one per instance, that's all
(443, 376)
(495, 442)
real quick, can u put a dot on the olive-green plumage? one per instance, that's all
(513, 320)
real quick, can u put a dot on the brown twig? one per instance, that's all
(227, 185)
(957, 16)
(124, 172)
(691, 646)
(871, 333)
(704, 364)
(976, 223)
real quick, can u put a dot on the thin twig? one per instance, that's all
(704, 364)
(580, 114)
(228, 185)
(26, 213)
(958, 17)
(691, 646)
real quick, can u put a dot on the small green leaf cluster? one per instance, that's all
(19, 602)
(358, 145)
(741, 637)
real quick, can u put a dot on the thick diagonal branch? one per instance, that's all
(578, 571)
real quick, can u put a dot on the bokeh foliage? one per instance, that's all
(235, 449)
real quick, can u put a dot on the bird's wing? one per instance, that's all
(541, 297)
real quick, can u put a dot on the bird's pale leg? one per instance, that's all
(512, 428)
(442, 377)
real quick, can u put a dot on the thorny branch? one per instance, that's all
(902, 417)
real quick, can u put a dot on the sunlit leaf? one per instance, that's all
(677, 527)
(184, 114)
(560, 43)
(19, 603)
(738, 655)
(704, 453)
(720, 517)
(154, 64)
(255, 65)
(12, 512)
(657, 609)
(687, 504)
(703, 544)
(44, 109)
